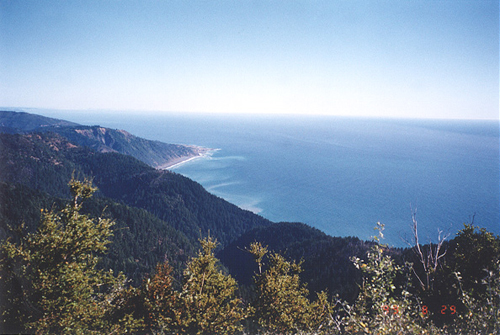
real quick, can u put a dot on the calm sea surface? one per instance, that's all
(341, 175)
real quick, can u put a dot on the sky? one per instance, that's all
(400, 58)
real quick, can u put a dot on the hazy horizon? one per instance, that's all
(418, 59)
(62, 113)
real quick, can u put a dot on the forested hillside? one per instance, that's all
(326, 265)
(141, 240)
(46, 162)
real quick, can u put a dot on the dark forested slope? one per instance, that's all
(140, 239)
(47, 161)
(326, 259)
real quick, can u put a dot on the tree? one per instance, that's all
(432, 276)
(380, 308)
(207, 302)
(477, 270)
(57, 287)
(483, 314)
(160, 299)
(476, 250)
(429, 259)
(281, 304)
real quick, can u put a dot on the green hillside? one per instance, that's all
(141, 240)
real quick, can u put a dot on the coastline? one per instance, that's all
(175, 162)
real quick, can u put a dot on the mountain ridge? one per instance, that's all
(154, 153)
(17, 122)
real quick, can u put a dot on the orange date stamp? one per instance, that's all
(445, 310)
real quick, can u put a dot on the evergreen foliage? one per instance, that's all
(140, 241)
(208, 297)
(478, 279)
(158, 214)
(58, 288)
(153, 153)
(483, 314)
(47, 161)
(476, 251)
(19, 203)
(39, 161)
(281, 304)
(160, 299)
(205, 304)
(326, 265)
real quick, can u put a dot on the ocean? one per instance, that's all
(341, 175)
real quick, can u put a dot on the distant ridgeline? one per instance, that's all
(154, 153)
(160, 215)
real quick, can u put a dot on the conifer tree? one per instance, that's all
(281, 305)
(160, 299)
(207, 302)
(55, 272)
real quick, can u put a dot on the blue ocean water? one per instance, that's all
(340, 175)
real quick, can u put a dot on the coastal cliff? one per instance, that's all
(154, 153)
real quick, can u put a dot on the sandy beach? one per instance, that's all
(177, 161)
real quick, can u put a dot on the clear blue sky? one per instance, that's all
(372, 58)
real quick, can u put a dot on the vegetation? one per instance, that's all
(47, 161)
(53, 282)
(477, 271)
(66, 250)
(281, 303)
(205, 304)
(381, 307)
(158, 214)
(326, 260)
(18, 122)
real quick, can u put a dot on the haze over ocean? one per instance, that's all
(340, 175)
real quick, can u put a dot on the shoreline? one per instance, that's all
(178, 161)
